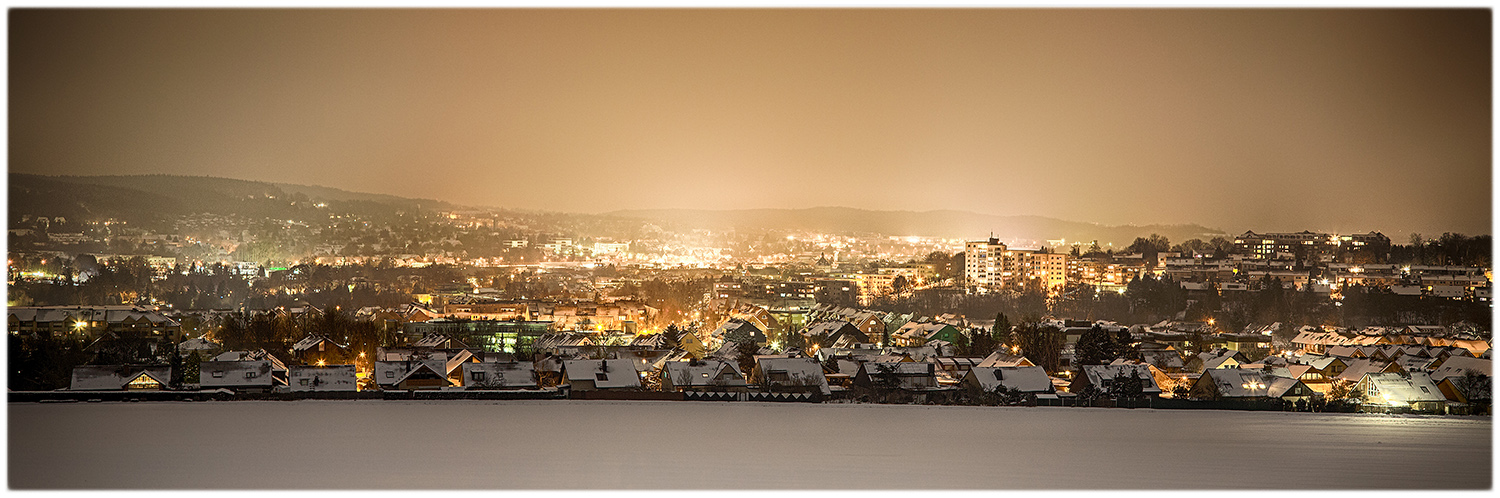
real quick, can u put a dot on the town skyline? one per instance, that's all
(1274, 119)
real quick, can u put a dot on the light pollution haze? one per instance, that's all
(1271, 120)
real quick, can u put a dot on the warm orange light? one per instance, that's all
(320, 363)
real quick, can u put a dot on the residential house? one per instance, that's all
(1218, 358)
(120, 378)
(238, 375)
(324, 378)
(1395, 391)
(391, 372)
(782, 374)
(951, 369)
(1102, 377)
(278, 367)
(423, 375)
(316, 349)
(833, 332)
(999, 359)
(1358, 369)
(1317, 341)
(912, 376)
(590, 375)
(916, 334)
(706, 375)
(739, 325)
(1243, 383)
(498, 375)
(1028, 379)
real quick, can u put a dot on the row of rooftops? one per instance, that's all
(113, 314)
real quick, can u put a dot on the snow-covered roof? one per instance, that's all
(703, 373)
(114, 377)
(508, 374)
(247, 373)
(800, 371)
(324, 378)
(899, 367)
(1398, 388)
(422, 367)
(956, 362)
(436, 340)
(1162, 358)
(1414, 364)
(259, 354)
(311, 341)
(825, 327)
(1101, 375)
(1455, 366)
(614, 373)
(1032, 379)
(1248, 383)
(197, 344)
(113, 314)
(1318, 337)
(998, 359)
(1357, 369)
(915, 330)
(458, 359)
(847, 367)
(390, 373)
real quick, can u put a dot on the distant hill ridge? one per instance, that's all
(941, 223)
(147, 198)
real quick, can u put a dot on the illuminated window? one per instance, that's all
(143, 381)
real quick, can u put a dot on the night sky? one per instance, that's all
(1272, 120)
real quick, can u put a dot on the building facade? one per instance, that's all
(989, 265)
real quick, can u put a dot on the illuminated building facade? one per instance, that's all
(989, 265)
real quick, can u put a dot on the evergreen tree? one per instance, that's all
(177, 375)
(1096, 347)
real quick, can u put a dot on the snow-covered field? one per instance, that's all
(602, 444)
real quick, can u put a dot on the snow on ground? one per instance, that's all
(695, 445)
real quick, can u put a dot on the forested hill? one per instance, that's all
(155, 200)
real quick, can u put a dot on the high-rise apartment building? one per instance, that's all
(989, 265)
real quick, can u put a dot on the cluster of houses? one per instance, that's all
(863, 354)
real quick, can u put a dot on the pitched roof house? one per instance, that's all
(903, 375)
(789, 374)
(733, 325)
(1030, 379)
(315, 349)
(834, 332)
(706, 375)
(239, 375)
(1102, 376)
(1242, 383)
(999, 359)
(314, 378)
(391, 374)
(1405, 392)
(120, 378)
(498, 375)
(1357, 369)
(589, 375)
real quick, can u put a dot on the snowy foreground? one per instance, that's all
(602, 444)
